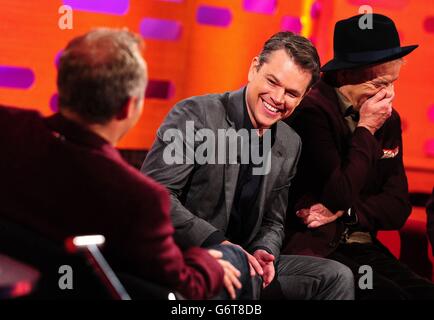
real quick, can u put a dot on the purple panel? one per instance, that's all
(315, 10)
(313, 40)
(220, 17)
(151, 28)
(431, 113)
(117, 7)
(260, 6)
(15, 77)
(429, 148)
(54, 103)
(428, 24)
(57, 58)
(160, 89)
(291, 24)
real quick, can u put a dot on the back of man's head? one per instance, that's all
(99, 72)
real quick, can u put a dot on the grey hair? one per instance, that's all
(99, 72)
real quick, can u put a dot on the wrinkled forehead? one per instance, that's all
(388, 71)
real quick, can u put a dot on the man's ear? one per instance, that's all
(254, 66)
(127, 109)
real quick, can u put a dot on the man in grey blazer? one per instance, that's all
(227, 161)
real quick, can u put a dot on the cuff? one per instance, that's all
(216, 237)
(350, 218)
(263, 248)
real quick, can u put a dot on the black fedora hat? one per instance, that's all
(355, 47)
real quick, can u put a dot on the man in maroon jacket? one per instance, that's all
(62, 176)
(351, 180)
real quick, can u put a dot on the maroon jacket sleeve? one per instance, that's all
(389, 208)
(155, 256)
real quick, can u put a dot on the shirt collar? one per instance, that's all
(247, 122)
(73, 132)
(344, 103)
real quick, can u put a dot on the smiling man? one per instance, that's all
(276, 86)
(215, 203)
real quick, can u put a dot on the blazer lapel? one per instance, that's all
(234, 118)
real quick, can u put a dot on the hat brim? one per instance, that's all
(337, 64)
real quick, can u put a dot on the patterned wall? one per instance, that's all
(200, 46)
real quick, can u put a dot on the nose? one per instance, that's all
(278, 96)
(390, 90)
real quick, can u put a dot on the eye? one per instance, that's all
(271, 81)
(290, 94)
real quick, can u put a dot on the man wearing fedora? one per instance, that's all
(351, 181)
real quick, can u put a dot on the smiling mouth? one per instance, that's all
(270, 108)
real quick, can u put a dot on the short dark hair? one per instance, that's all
(299, 48)
(99, 72)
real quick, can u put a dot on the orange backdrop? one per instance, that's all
(214, 56)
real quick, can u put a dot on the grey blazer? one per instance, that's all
(202, 195)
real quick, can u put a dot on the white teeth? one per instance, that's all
(269, 107)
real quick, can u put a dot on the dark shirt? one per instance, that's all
(243, 219)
